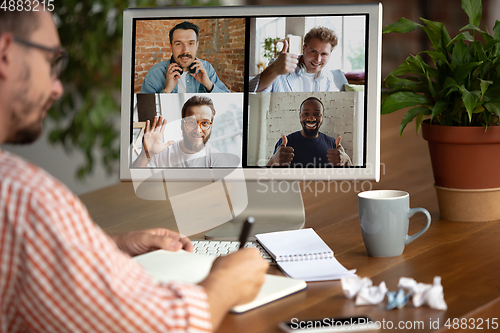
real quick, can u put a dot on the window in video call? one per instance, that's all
(249, 92)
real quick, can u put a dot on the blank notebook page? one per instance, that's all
(293, 243)
(166, 266)
(302, 254)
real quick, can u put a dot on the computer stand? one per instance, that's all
(275, 205)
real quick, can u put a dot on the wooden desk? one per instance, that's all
(465, 255)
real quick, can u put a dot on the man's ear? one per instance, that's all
(6, 43)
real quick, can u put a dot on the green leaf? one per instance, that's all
(396, 83)
(458, 107)
(479, 51)
(472, 27)
(463, 36)
(426, 69)
(463, 70)
(493, 107)
(402, 69)
(445, 41)
(484, 86)
(414, 65)
(496, 30)
(410, 115)
(437, 33)
(420, 118)
(435, 39)
(401, 100)
(450, 83)
(402, 26)
(460, 54)
(436, 56)
(489, 42)
(494, 89)
(473, 9)
(470, 99)
(478, 109)
(439, 107)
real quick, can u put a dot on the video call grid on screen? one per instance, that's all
(248, 124)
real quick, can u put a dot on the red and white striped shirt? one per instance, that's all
(60, 273)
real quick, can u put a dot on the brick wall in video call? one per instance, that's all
(222, 43)
(339, 119)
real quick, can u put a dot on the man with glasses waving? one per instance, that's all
(198, 113)
(59, 272)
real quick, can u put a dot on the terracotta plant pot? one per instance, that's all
(466, 166)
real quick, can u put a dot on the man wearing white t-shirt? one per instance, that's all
(197, 116)
(302, 73)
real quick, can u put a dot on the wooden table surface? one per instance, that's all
(465, 255)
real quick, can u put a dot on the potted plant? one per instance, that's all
(455, 99)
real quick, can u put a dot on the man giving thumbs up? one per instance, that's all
(283, 155)
(309, 147)
(306, 72)
(285, 63)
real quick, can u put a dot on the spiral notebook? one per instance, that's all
(302, 254)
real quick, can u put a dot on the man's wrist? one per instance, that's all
(209, 85)
(146, 154)
(272, 71)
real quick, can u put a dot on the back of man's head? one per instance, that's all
(198, 100)
(20, 23)
(186, 25)
(323, 34)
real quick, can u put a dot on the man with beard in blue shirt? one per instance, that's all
(183, 72)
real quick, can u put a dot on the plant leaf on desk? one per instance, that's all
(471, 100)
(437, 55)
(438, 35)
(459, 85)
(484, 86)
(464, 70)
(420, 112)
(474, 10)
(496, 30)
(439, 107)
(463, 36)
(401, 100)
(402, 26)
(493, 106)
(460, 54)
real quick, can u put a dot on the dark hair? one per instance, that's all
(186, 25)
(20, 23)
(323, 34)
(198, 100)
(312, 98)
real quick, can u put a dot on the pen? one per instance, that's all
(245, 231)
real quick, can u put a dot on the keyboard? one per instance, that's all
(220, 248)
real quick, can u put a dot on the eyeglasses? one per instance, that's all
(57, 64)
(192, 124)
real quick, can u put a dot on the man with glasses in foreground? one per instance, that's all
(198, 113)
(58, 271)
